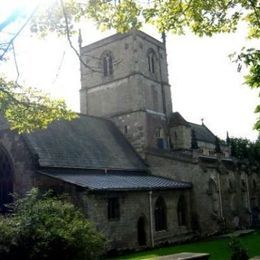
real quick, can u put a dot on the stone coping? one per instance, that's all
(238, 233)
(185, 255)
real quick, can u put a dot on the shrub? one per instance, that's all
(238, 252)
(45, 227)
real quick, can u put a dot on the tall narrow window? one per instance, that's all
(213, 192)
(151, 61)
(160, 215)
(182, 212)
(107, 64)
(113, 210)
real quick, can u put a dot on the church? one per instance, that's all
(141, 172)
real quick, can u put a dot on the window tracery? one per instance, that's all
(107, 62)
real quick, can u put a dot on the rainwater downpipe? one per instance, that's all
(248, 195)
(248, 199)
(220, 197)
(151, 217)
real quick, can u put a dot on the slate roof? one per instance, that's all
(176, 119)
(203, 133)
(115, 181)
(86, 142)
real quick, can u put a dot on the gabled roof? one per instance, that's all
(176, 120)
(203, 133)
(115, 181)
(85, 143)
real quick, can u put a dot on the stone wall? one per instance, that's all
(122, 232)
(23, 162)
(181, 137)
(131, 86)
(133, 126)
(216, 209)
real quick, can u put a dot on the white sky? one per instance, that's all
(205, 84)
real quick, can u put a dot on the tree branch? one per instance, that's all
(255, 11)
(69, 39)
(19, 31)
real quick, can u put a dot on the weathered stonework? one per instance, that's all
(230, 201)
(128, 84)
(131, 92)
(122, 232)
(139, 102)
(22, 161)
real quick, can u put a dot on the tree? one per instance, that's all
(177, 16)
(244, 149)
(217, 145)
(45, 227)
(238, 251)
(26, 109)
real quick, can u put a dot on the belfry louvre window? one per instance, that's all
(160, 215)
(113, 209)
(107, 65)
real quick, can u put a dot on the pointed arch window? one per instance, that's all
(182, 211)
(107, 61)
(213, 192)
(160, 214)
(151, 60)
(113, 208)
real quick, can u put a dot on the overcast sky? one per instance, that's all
(205, 83)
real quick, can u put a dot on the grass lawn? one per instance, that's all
(218, 248)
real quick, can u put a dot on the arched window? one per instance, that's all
(6, 180)
(113, 208)
(254, 185)
(182, 211)
(160, 214)
(107, 61)
(213, 192)
(151, 60)
(141, 231)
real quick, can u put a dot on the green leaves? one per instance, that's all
(49, 17)
(41, 226)
(122, 16)
(251, 58)
(27, 109)
(244, 149)
(202, 17)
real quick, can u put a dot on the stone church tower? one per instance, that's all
(126, 80)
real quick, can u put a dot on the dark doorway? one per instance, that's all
(6, 180)
(141, 231)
